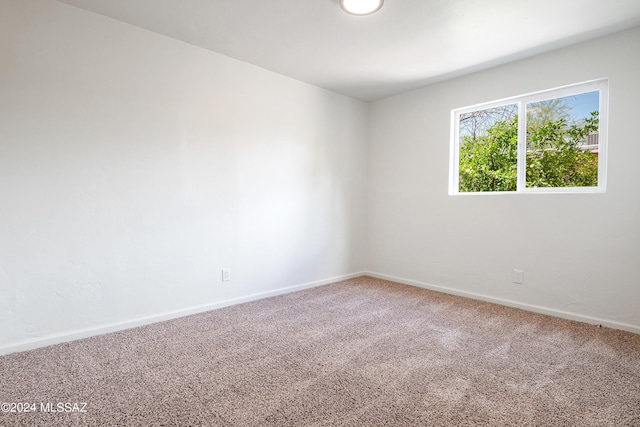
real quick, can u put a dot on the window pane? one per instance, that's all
(488, 141)
(562, 141)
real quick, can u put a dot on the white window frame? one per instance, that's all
(601, 85)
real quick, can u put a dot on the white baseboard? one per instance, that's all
(58, 338)
(528, 307)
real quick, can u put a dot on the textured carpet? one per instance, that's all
(363, 352)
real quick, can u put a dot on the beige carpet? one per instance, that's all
(363, 352)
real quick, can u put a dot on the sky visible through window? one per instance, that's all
(578, 107)
(583, 104)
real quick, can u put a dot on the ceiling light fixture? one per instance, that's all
(361, 7)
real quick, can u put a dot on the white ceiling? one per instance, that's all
(407, 44)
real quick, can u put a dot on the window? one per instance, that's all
(550, 141)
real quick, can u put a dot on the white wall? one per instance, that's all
(580, 252)
(134, 167)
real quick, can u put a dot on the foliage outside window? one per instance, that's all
(551, 141)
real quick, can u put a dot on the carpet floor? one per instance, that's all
(362, 352)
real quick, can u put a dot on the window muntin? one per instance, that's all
(550, 141)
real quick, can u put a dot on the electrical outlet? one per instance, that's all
(518, 276)
(226, 274)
